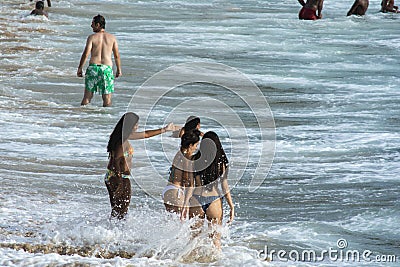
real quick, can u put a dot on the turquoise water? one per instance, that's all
(331, 86)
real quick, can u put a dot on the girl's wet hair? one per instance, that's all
(190, 138)
(212, 161)
(122, 130)
(191, 123)
(101, 20)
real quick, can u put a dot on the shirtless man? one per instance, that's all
(359, 8)
(388, 6)
(99, 74)
(310, 8)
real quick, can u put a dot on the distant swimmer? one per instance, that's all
(388, 6)
(39, 9)
(48, 3)
(120, 154)
(359, 8)
(99, 74)
(310, 8)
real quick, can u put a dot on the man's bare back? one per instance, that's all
(102, 45)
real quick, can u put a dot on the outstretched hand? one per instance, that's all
(169, 127)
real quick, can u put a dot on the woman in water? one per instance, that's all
(205, 199)
(192, 123)
(181, 174)
(120, 153)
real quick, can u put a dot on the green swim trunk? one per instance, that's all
(99, 78)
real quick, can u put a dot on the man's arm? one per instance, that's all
(84, 56)
(117, 59)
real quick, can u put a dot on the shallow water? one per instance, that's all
(331, 85)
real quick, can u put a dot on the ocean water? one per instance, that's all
(308, 112)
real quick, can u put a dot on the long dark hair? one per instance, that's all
(189, 138)
(191, 123)
(212, 161)
(122, 130)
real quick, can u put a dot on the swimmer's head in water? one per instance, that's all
(39, 5)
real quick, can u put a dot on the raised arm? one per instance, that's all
(151, 133)
(302, 3)
(320, 6)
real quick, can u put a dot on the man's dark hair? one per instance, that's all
(101, 20)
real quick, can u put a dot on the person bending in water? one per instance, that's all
(359, 8)
(181, 175)
(39, 9)
(310, 8)
(192, 123)
(205, 199)
(388, 6)
(120, 154)
(99, 74)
